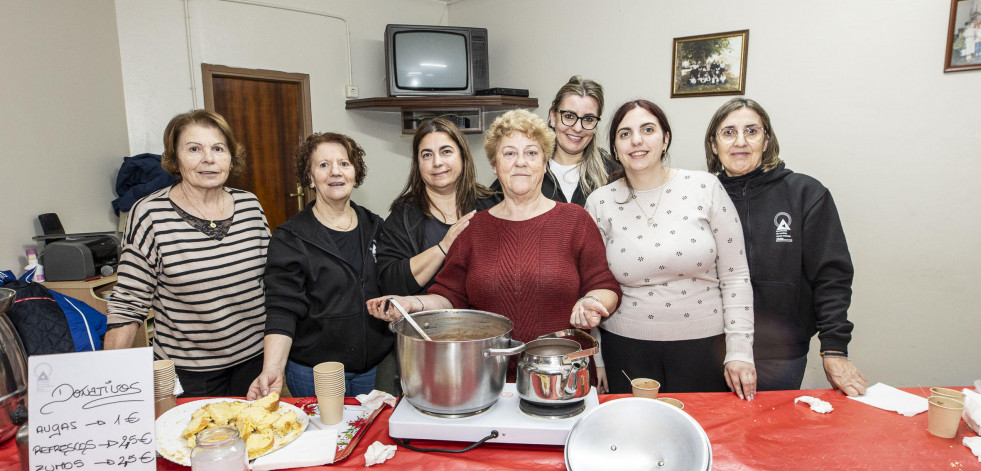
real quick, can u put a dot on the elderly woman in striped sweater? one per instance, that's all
(195, 253)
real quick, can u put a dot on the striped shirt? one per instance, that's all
(206, 294)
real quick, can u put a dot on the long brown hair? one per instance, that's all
(468, 191)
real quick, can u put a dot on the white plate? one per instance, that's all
(169, 426)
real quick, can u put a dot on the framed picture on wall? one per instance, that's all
(710, 64)
(964, 36)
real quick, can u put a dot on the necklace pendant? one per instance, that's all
(650, 222)
(213, 225)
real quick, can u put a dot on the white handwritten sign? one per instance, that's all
(91, 410)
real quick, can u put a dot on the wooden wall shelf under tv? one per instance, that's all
(468, 111)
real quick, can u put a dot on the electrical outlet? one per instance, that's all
(351, 91)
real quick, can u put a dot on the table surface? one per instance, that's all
(770, 432)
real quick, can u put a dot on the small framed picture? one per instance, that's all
(710, 64)
(964, 36)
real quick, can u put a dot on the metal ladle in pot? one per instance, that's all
(407, 317)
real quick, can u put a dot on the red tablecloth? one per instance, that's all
(771, 432)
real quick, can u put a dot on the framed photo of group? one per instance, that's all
(964, 36)
(710, 64)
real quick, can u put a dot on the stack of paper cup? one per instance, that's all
(164, 379)
(328, 383)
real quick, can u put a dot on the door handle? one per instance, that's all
(300, 196)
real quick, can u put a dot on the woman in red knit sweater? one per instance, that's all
(540, 263)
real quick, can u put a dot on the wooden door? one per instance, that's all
(269, 112)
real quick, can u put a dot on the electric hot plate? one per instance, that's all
(505, 416)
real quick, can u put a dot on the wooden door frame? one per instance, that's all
(209, 71)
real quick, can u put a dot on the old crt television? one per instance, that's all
(435, 60)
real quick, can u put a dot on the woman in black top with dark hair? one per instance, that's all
(434, 207)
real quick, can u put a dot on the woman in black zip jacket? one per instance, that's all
(799, 263)
(436, 204)
(320, 271)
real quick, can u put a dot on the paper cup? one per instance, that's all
(944, 416)
(331, 409)
(163, 404)
(673, 402)
(164, 388)
(951, 393)
(328, 367)
(645, 387)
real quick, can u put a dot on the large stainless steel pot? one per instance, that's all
(462, 370)
(13, 368)
(554, 369)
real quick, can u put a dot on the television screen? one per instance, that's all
(431, 60)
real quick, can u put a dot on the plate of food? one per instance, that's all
(265, 425)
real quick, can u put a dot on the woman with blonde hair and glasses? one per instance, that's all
(578, 165)
(798, 260)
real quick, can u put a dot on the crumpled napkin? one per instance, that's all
(817, 405)
(311, 448)
(376, 399)
(974, 443)
(378, 453)
(972, 409)
(889, 398)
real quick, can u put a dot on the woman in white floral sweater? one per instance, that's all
(675, 244)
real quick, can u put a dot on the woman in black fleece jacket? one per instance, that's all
(799, 263)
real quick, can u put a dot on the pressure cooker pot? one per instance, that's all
(554, 369)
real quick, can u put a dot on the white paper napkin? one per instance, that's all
(312, 448)
(817, 405)
(889, 398)
(974, 443)
(376, 399)
(972, 410)
(378, 453)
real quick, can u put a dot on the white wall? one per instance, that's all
(62, 120)
(855, 89)
(158, 85)
(859, 100)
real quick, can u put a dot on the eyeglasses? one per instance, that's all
(752, 134)
(570, 119)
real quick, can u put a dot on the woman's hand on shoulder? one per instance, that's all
(455, 231)
(741, 378)
(844, 376)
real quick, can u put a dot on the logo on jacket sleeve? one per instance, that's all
(782, 221)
